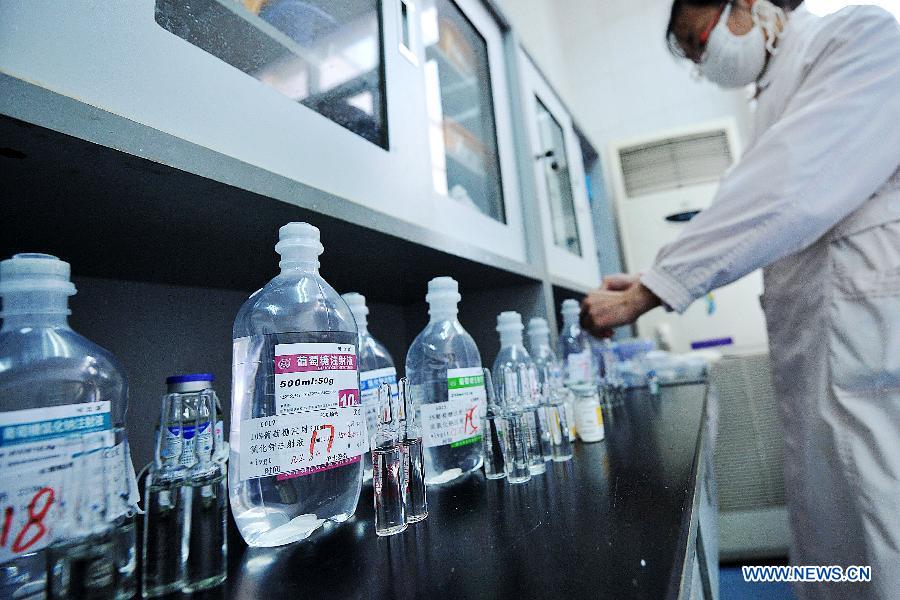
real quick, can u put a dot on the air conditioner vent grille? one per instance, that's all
(675, 162)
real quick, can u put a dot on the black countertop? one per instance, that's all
(610, 523)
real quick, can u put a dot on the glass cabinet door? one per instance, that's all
(462, 129)
(554, 163)
(325, 54)
(560, 183)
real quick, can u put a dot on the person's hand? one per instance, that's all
(620, 300)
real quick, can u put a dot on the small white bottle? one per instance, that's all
(588, 413)
(579, 365)
(443, 367)
(376, 366)
(297, 426)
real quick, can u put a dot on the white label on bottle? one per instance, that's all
(589, 421)
(319, 424)
(369, 382)
(456, 422)
(578, 367)
(36, 449)
(123, 493)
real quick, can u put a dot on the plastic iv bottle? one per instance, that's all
(51, 375)
(546, 362)
(297, 427)
(579, 365)
(444, 366)
(376, 366)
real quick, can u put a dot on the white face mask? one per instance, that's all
(733, 61)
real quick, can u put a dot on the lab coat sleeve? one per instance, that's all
(836, 143)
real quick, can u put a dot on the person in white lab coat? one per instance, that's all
(815, 201)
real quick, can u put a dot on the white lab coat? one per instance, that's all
(816, 201)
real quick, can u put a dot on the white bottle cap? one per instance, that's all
(571, 309)
(537, 326)
(298, 243)
(34, 272)
(443, 295)
(509, 322)
(357, 304)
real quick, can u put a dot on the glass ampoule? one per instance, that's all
(167, 500)
(413, 457)
(388, 467)
(516, 459)
(208, 546)
(557, 419)
(535, 428)
(494, 433)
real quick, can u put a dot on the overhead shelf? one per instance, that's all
(145, 205)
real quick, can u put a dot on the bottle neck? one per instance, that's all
(570, 321)
(35, 309)
(540, 341)
(362, 325)
(443, 314)
(297, 266)
(511, 339)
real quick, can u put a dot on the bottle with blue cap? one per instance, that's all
(57, 386)
(297, 424)
(376, 367)
(446, 382)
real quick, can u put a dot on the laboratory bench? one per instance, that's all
(632, 516)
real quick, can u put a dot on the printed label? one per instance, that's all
(294, 445)
(319, 423)
(589, 419)
(578, 367)
(36, 449)
(456, 422)
(369, 382)
(175, 439)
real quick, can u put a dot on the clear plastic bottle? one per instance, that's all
(574, 348)
(49, 373)
(444, 365)
(295, 370)
(376, 366)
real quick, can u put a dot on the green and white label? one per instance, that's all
(456, 422)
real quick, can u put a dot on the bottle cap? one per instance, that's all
(538, 326)
(509, 321)
(357, 304)
(571, 307)
(443, 295)
(193, 382)
(34, 272)
(298, 242)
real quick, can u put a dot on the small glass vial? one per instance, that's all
(413, 457)
(516, 446)
(557, 424)
(588, 413)
(208, 546)
(167, 500)
(387, 468)
(533, 421)
(493, 433)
